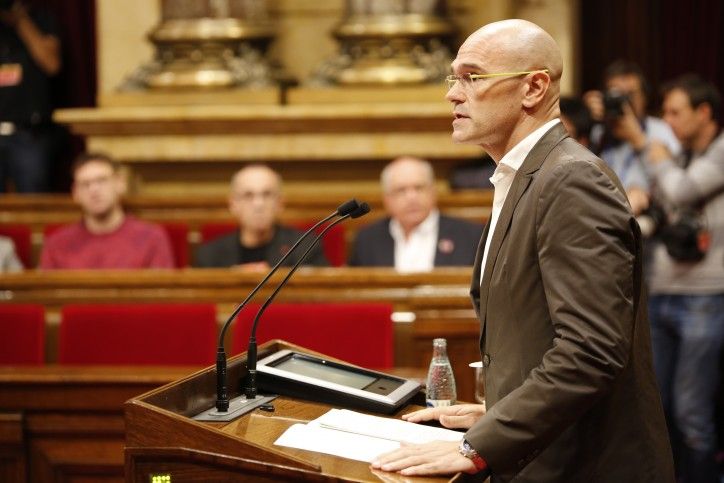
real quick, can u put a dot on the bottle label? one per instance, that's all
(436, 403)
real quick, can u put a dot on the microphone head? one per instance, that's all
(348, 207)
(362, 210)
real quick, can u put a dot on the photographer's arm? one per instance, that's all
(688, 186)
(44, 48)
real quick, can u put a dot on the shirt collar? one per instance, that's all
(428, 225)
(515, 157)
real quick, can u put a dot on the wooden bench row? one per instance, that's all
(38, 212)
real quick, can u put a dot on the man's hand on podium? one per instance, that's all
(457, 416)
(436, 458)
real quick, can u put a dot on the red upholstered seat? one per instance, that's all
(23, 334)
(163, 334)
(178, 235)
(360, 333)
(333, 244)
(22, 238)
(211, 231)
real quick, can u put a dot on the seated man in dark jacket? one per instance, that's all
(256, 201)
(415, 237)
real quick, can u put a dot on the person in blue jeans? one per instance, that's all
(29, 57)
(686, 307)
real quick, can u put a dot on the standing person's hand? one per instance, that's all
(657, 153)
(594, 102)
(457, 416)
(638, 199)
(628, 128)
(435, 458)
(11, 16)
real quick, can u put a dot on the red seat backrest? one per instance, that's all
(162, 334)
(21, 236)
(23, 334)
(211, 231)
(178, 235)
(360, 333)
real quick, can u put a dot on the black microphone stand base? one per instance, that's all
(237, 407)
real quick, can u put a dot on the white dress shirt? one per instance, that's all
(503, 177)
(416, 253)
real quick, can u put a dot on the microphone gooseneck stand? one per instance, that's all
(222, 410)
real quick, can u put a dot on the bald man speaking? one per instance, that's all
(564, 338)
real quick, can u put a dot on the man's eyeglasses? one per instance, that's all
(468, 80)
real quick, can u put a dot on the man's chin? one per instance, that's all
(461, 138)
(99, 213)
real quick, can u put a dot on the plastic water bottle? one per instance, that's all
(440, 379)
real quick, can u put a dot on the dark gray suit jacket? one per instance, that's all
(457, 240)
(565, 341)
(224, 251)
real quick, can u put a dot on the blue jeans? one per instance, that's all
(25, 158)
(687, 333)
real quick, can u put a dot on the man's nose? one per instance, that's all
(455, 94)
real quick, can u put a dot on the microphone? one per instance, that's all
(251, 357)
(346, 209)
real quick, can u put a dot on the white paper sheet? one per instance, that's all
(358, 436)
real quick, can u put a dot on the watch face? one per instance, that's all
(467, 450)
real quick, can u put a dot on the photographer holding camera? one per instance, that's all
(29, 56)
(623, 130)
(686, 307)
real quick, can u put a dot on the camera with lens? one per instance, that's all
(687, 238)
(613, 102)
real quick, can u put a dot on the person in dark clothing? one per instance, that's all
(415, 237)
(260, 241)
(29, 57)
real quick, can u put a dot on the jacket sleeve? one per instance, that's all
(586, 252)
(704, 177)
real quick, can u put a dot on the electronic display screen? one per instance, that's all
(317, 370)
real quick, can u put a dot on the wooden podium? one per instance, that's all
(163, 443)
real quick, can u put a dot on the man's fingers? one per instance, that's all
(465, 421)
(427, 414)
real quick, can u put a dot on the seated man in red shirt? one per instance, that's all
(106, 238)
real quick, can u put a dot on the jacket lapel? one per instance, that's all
(520, 183)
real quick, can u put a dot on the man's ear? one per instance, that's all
(121, 181)
(232, 205)
(535, 89)
(74, 192)
(703, 111)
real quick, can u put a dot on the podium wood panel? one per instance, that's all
(161, 437)
(65, 423)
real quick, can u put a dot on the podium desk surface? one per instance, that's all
(263, 428)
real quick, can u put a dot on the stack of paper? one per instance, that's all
(358, 436)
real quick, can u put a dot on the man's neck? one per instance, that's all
(105, 223)
(705, 137)
(520, 132)
(256, 238)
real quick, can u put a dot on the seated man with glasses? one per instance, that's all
(415, 237)
(256, 201)
(106, 237)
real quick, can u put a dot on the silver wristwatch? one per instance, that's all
(470, 453)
